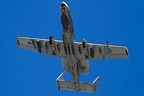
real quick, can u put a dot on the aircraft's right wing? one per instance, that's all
(42, 46)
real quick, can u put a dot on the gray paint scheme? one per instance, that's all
(75, 54)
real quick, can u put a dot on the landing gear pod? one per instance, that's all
(84, 43)
(51, 40)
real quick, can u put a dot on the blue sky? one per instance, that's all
(26, 73)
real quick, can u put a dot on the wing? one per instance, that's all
(99, 51)
(42, 46)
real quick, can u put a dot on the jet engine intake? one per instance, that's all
(84, 66)
(65, 65)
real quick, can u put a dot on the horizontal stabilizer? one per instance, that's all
(62, 84)
(90, 87)
(83, 87)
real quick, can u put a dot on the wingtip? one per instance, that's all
(126, 52)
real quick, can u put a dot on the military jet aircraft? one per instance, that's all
(75, 55)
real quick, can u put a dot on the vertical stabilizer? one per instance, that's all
(83, 87)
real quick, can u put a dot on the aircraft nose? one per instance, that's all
(63, 4)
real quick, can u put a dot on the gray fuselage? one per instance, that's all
(68, 40)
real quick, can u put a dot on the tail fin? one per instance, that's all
(83, 87)
(90, 87)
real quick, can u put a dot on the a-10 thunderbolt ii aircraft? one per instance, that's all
(75, 55)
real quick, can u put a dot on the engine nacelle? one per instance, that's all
(83, 66)
(65, 65)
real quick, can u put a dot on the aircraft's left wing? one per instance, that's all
(89, 51)
(42, 46)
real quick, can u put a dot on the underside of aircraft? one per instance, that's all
(75, 55)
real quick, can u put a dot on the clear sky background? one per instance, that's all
(26, 73)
